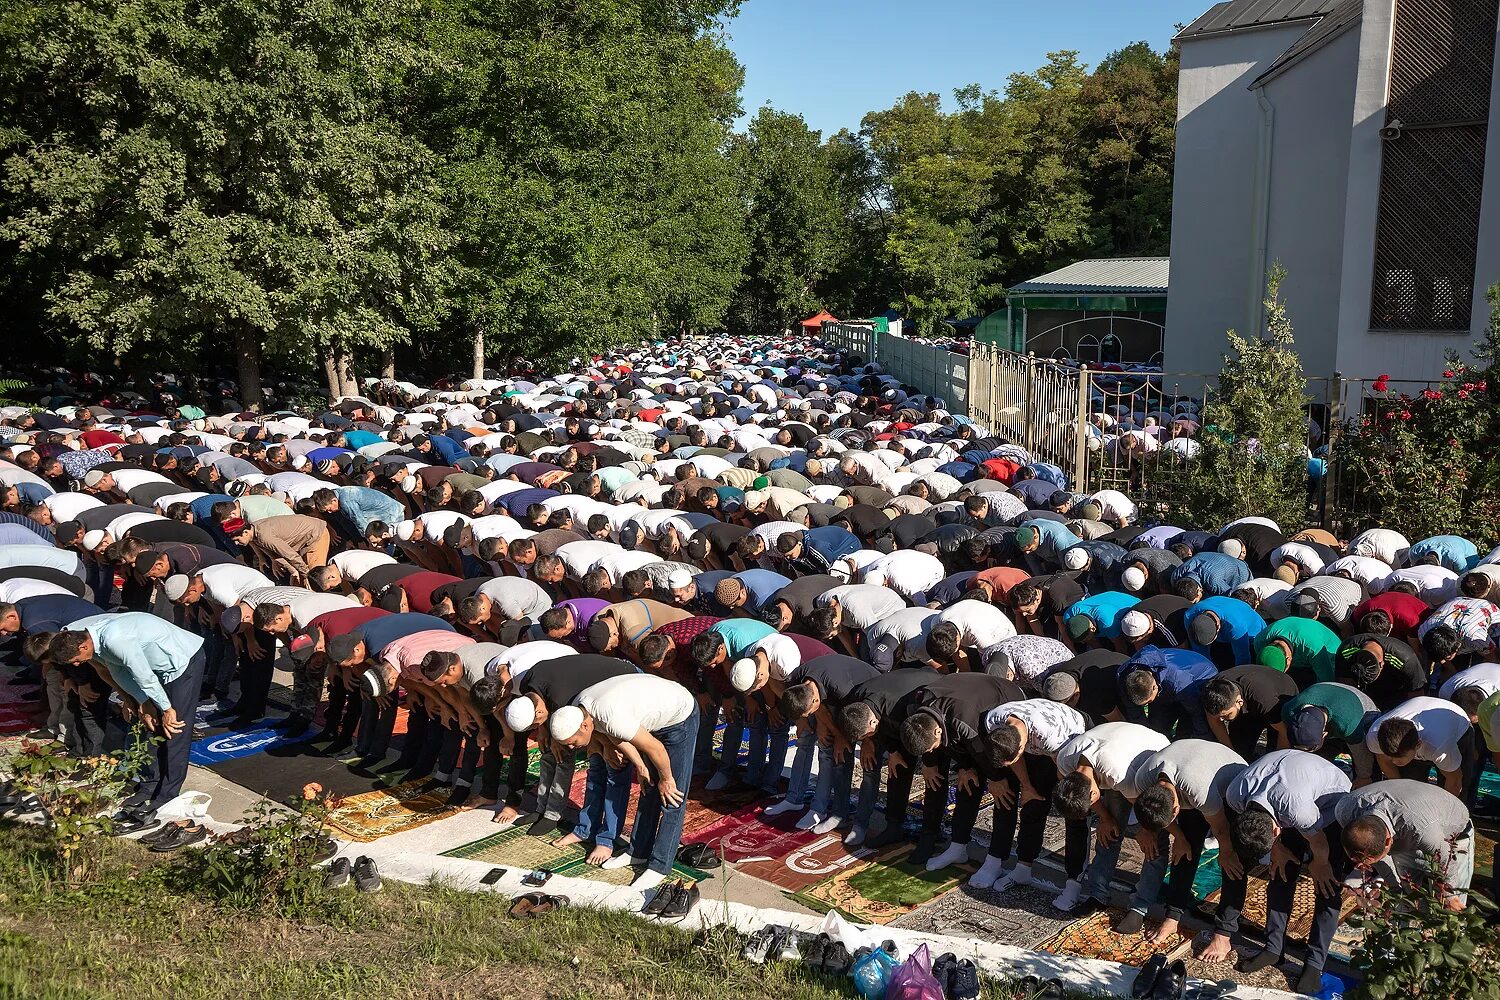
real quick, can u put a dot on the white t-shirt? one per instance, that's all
(1116, 751)
(783, 658)
(581, 556)
(901, 636)
(1440, 725)
(622, 706)
(355, 563)
(1484, 676)
(981, 625)
(906, 571)
(498, 526)
(525, 655)
(226, 582)
(67, 506)
(305, 604)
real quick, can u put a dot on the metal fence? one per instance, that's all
(1069, 416)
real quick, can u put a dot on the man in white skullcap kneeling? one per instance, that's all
(651, 722)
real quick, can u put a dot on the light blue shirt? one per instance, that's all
(143, 653)
(39, 555)
(364, 505)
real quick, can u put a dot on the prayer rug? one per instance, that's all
(1092, 937)
(1020, 917)
(372, 815)
(280, 772)
(881, 889)
(774, 850)
(227, 744)
(1304, 899)
(515, 848)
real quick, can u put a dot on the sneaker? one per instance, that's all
(659, 900)
(758, 948)
(942, 970)
(323, 849)
(965, 982)
(812, 955)
(337, 875)
(366, 875)
(836, 958)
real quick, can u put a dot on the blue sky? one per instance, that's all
(832, 61)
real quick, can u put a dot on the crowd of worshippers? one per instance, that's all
(846, 580)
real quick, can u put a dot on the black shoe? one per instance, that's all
(836, 958)
(127, 822)
(682, 901)
(366, 875)
(340, 745)
(942, 971)
(460, 796)
(243, 722)
(658, 902)
(1131, 923)
(1262, 959)
(1311, 980)
(337, 875)
(543, 827)
(890, 835)
(1053, 989)
(812, 955)
(295, 726)
(922, 853)
(965, 981)
(324, 850)
(1087, 908)
(365, 765)
(1145, 979)
(1172, 983)
(178, 837)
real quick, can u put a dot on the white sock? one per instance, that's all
(828, 825)
(809, 821)
(623, 860)
(718, 781)
(988, 872)
(784, 806)
(856, 836)
(648, 880)
(952, 855)
(1068, 898)
(1019, 875)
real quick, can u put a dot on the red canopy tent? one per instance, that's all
(816, 322)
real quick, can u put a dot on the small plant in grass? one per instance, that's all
(1417, 946)
(267, 864)
(78, 797)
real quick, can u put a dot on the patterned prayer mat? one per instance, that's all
(517, 849)
(372, 815)
(1021, 917)
(1092, 937)
(880, 889)
(773, 849)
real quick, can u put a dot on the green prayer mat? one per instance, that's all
(518, 849)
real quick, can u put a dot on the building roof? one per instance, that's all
(1232, 15)
(1333, 24)
(1109, 276)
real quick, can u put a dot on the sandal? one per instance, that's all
(546, 905)
(521, 906)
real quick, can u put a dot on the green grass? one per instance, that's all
(127, 935)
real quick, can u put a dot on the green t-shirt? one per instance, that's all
(1489, 721)
(1314, 646)
(1349, 709)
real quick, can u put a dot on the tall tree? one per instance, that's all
(787, 186)
(223, 174)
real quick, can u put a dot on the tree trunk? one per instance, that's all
(389, 370)
(479, 353)
(247, 360)
(348, 385)
(331, 373)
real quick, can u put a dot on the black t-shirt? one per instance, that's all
(821, 515)
(802, 593)
(101, 517)
(837, 676)
(46, 574)
(1259, 540)
(952, 588)
(171, 531)
(908, 529)
(559, 682)
(722, 536)
(458, 590)
(191, 559)
(1401, 673)
(961, 702)
(1094, 669)
(147, 494)
(1060, 591)
(377, 578)
(1266, 691)
(892, 696)
(1169, 613)
(864, 520)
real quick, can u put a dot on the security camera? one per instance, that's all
(1392, 130)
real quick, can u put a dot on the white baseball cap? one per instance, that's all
(742, 674)
(566, 722)
(520, 714)
(175, 586)
(93, 539)
(1135, 624)
(1134, 578)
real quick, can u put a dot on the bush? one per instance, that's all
(1427, 464)
(1254, 429)
(1416, 947)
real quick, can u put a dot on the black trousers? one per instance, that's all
(255, 676)
(1180, 883)
(935, 806)
(511, 768)
(1281, 891)
(1025, 827)
(169, 763)
(342, 714)
(375, 726)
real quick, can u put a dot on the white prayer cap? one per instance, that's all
(566, 722)
(742, 674)
(520, 714)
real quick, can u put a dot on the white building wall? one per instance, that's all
(1214, 263)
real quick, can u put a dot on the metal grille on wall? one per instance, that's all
(1432, 165)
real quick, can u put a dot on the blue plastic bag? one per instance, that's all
(873, 973)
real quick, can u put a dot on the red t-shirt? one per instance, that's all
(419, 587)
(345, 620)
(1406, 611)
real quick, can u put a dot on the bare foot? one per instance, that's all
(479, 802)
(1164, 932)
(1218, 949)
(567, 840)
(600, 854)
(506, 815)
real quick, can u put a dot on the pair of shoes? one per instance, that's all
(323, 848)
(673, 900)
(337, 875)
(535, 904)
(177, 837)
(1159, 980)
(958, 977)
(366, 875)
(791, 944)
(759, 945)
(132, 820)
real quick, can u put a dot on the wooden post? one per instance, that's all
(1332, 498)
(1080, 435)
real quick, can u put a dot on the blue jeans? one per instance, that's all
(831, 797)
(658, 826)
(767, 753)
(1096, 877)
(606, 796)
(869, 793)
(797, 785)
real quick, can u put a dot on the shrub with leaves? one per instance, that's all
(267, 864)
(1426, 463)
(77, 797)
(1416, 947)
(1254, 430)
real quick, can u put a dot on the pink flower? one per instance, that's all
(1431, 394)
(1469, 386)
(1447, 374)
(1479, 386)
(1462, 394)
(1405, 414)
